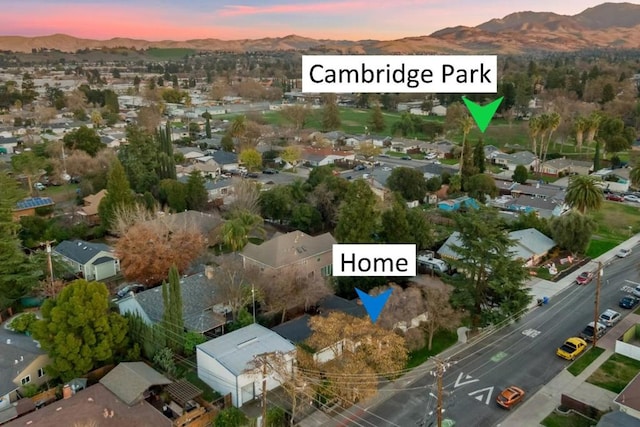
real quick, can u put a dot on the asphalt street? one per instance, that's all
(522, 354)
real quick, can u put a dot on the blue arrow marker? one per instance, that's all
(374, 305)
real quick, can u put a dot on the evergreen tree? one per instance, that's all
(197, 196)
(166, 161)
(207, 127)
(467, 168)
(478, 156)
(358, 216)
(119, 195)
(17, 275)
(331, 114)
(227, 142)
(596, 157)
(172, 318)
(377, 119)
(395, 224)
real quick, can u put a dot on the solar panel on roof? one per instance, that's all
(34, 202)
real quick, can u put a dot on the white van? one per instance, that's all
(434, 264)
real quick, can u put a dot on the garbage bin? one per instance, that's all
(545, 300)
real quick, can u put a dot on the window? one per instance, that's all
(26, 380)
(41, 373)
(327, 270)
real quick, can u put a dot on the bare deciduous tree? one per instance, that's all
(402, 306)
(440, 316)
(246, 196)
(291, 288)
(236, 285)
(148, 250)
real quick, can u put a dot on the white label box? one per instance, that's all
(399, 74)
(362, 260)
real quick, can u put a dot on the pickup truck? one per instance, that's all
(572, 348)
(587, 332)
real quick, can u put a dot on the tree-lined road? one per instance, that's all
(522, 354)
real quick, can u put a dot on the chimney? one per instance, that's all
(208, 271)
(67, 392)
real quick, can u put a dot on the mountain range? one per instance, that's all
(609, 25)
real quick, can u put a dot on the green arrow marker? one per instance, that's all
(482, 114)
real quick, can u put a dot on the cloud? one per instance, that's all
(320, 7)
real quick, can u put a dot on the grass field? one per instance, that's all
(617, 221)
(585, 360)
(169, 53)
(615, 373)
(441, 341)
(569, 420)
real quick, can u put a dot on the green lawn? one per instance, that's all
(615, 373)
(441, 341)
(616, 221)
(585, 360)
(599, 247)
(208, 393)
(570, 420)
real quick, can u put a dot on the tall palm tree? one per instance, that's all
(236, 231)
(584, 193)
(466, 124)
(593, 125)
(252, 223)
(580, 126)
(551, 122)
(535, 127)
(238, 127)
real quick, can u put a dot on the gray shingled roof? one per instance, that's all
(80, 251)
(236, 350)
(224, 157)
(198, 296)
(129, 380)
(288, 249)
(15, 348)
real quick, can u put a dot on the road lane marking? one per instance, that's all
(467, 380)
(498, 356)
(532, 333)
(632, 282)
(479, 395)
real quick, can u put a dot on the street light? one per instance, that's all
(253, 299)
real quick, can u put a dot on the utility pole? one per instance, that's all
(47, 245)
(253, 298)
(264, 391)
(597, 304)
(440, 368)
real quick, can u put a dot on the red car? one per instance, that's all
(584, 278)
(510, 397)
(615, 197)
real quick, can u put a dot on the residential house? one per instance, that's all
(325, 156)
(298, 331)
(22, 363)
(544, 207)
(616, 180)
(404, 145)
(228, 363)
(8, 144)
(215, 142)
(439, 110)
(208, 169)
(530, 246)
(617, 419)
(89, 211)
(457, 204)
(431, 170)
(190, 153)
(94, 404)
(201, 310)
(28, 206)
(95, 261)
(564, 166)
(227, 161)
(629, 398)
(511, 161)
(132, 382)
(540, 191)
(310, 255)
(441, 148)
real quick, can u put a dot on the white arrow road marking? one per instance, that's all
(480, 394)
(468, 380)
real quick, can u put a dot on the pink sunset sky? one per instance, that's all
(194, 19)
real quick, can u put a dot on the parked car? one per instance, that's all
(510, 397)
(636, 291)
(135, 288)
(252, 175)
(359, 168)
(386, 169)
(609, 317)
(270, 171)
(39, 186)
(628, 302)
(431, 156)
(584, 278)
(572, 348)
(597, 329)
(632, 198)
(615, 197)
(406, 158)
(623, 253)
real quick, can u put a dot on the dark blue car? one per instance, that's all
(628, 302)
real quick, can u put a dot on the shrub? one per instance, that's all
(414, 339)
(23, 323)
